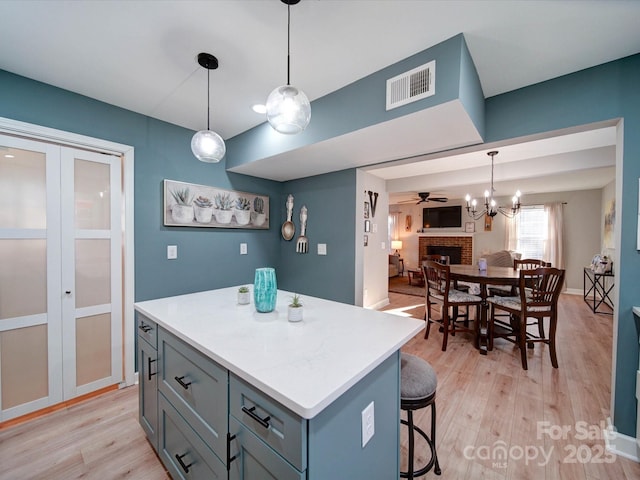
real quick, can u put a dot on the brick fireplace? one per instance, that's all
(448, 241)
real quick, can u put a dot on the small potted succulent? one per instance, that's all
(295, 309)
(244, 296)
(243, 211)
(224, 207)
(258, 212)
(203, 209)
(182, 211)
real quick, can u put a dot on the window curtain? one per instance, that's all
(553, 249)
(394, 219)
(511, 234)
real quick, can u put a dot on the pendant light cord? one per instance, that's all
(288, 41)
(208, 92)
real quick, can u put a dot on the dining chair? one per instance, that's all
(439, 291)
(539, 290)
(524, 264)
(444, 260)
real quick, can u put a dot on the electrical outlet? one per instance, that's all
(243, 249)
(368, 424)
(374, 228)
(172, 252)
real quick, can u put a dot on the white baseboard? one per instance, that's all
(377, 306)
(574, 291)
(620, 444)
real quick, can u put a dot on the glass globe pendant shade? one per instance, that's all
(288, 110)
(208, 146)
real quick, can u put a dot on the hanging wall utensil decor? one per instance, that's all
(288, 228)
(373, 200)
(302, 246)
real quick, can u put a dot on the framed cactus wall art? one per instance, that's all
(192, 205)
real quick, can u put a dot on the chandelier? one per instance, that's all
(490, 206)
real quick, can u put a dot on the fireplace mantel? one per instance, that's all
(445, 234)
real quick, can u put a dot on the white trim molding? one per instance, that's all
(620, 444)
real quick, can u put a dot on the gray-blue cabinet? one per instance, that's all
(147, 379)
(210, 423)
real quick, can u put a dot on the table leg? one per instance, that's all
(483, 341)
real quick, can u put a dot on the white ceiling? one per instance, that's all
(141, 55)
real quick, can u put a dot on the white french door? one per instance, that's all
(60, 274)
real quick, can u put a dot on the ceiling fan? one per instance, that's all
(425, 197)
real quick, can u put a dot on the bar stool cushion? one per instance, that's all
(418, 380)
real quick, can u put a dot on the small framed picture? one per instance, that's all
(367, 226)
(366, 209)
(366, 240)
(470, 227)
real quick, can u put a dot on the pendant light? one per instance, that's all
(288, 108)
(491, 208)
(207, 145)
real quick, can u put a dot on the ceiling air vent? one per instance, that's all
(411, 86)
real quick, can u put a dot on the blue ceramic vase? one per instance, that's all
(265, 290)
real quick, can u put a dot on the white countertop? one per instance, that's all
(306, 365)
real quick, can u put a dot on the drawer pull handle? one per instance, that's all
(182, 384)
(251, 412)
(149, 368)
(184, 467)
(144, 328)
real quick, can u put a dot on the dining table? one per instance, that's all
(490, 276)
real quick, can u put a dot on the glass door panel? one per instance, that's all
(93, 348)
(92, 195)
(23, 277)
(24, 365)
(93, 272)
(23, 188)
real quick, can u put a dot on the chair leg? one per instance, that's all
(445, 325)
(552, 341)
(490, 327)
(436, 468)
(522, 340)
(427, 317)
(411, 444)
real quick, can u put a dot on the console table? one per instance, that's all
(596, 284)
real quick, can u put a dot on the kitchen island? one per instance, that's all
(257, 396)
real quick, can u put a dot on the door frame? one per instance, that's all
(126, 152)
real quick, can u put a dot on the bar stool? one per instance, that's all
(418, 384)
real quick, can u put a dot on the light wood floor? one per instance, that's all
(99, 439)
(484, 404)
(488, 405)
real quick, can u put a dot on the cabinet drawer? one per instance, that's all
(197, 388)
(254, 460)
(276, 425)
(182, 451)
(147, 329)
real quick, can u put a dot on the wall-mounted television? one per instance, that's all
(442, 217)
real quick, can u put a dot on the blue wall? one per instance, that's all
(362, 104)
(604, 92)
(331, 203)
(207, 257)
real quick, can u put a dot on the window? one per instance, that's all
(532, 230)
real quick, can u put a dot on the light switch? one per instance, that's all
(375, 228)
(322, 249)
(172, 252)
(383, 246)
(243, 249)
